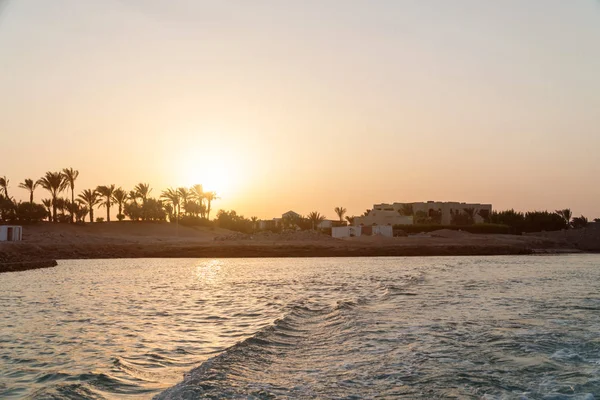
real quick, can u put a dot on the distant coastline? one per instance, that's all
(44, 243)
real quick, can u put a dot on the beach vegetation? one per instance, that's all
(340, 211)
(579, 222)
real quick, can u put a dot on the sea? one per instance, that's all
(503, 327)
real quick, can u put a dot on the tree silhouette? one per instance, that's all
(106, 192)
(565, 214)
(579, 222)
(29, 185)
(142, 191)
(315, 218)
(184, 194)
(4, 186)
(120, 197)
(54, 183)
(340, 211)
(209, 196)
(90, 198)
(48, 204)
(174, 197)
(70, 175)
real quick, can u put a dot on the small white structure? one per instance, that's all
(345, 231)
(382, 230)
(354, 231)
(11, 233)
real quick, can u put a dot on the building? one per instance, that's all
(11, 233)
(383, 216)
(345, 231)
(355, 231)
(394, 214)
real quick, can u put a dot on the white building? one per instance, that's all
(383, 216)
(390, 212)
(11, 233)
(355, 231)
(345, 231)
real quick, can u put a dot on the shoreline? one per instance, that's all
(28, 256)
(44, 243)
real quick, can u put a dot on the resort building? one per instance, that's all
(383, 216)
(395, 214)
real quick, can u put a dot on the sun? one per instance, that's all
(216, 173)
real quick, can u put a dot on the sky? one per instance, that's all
(308, 105)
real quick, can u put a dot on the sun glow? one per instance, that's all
(216, 172)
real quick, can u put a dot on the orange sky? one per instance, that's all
(308, 105)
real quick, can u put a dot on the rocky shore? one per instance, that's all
(26, 265)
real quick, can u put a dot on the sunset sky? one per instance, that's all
(308, 105)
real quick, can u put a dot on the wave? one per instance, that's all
(264, 363)
(303, 323)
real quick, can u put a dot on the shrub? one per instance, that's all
(99, 219)
(192, 220)
(30, 212)
(120, 217)
(476, 228)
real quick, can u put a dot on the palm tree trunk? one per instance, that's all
(107, 213)
(91, 213)
(72, 202)
(208, 210)
(31, 197)
(54, 219)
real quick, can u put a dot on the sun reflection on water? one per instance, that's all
(208, 271)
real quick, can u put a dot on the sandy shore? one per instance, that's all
(47, 241)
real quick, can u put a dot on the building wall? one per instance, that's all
(383, 217)
(345, 231)
(445, 207)
(383, 230)
(17, 232)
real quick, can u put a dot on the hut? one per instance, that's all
(11, 233)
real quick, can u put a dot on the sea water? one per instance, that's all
(515, 327)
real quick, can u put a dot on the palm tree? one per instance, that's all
(566, 214)
(54, 183)
(4, 186)
(61, 205)
(120, 197)
(253, 219)
(70, 175)
(142, 191)
(579, 222)
(81, 212)
(316, 219)
(90, 198)
(209, 196)
(106, 192)
(48, 204)
(197, 193)
(184, 195)
(133, 195)
(340, 211)
(350, 220)
(30, 185)
(174, 197)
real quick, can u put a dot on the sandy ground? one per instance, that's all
(136, 239)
